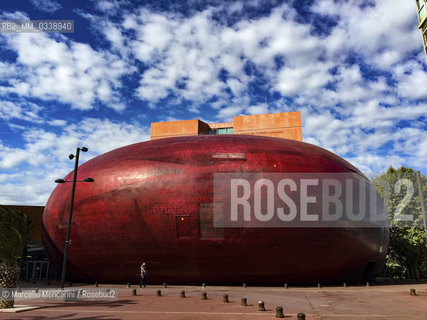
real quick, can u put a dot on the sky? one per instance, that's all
(356, 71)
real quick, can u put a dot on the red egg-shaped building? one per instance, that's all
(152, 202)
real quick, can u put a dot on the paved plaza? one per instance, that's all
(331, 303)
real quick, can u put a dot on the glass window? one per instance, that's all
(422, 13)
(420, 4)
(225, 130)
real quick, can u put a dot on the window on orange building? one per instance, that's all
(225, 130)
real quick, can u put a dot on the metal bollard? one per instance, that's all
(96, 284)
(344, 285)
(413, 292)
(279, 312)
(204, 296)
(244, 302)
(319, 285)
(225, 298)
(203, 285)
(159, 293)
(367, 283)
(261, 306)
(128, 285)
(182, 294)
(300, 316)
(165, 285)
(134, 292)
(244, 285)
(286, 286)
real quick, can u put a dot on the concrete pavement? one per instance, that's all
(351, 302)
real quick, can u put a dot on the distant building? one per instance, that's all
(285, 125)
(34, 213)
(35, 264)
(422, 14)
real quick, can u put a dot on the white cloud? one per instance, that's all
(46, 5)
(372, 164)
(303, 80)
(110, 6)
(6, 69)
(412, 142)
(186, 55)
(236, 86)
(104, 135)
(70, 72)
(57, 123)
(410, 77)
(258, 109)
(11, 157)
(227, 113)
(328, 132)
(96, 134)
(20, 110)
(369, 133)
(17, 15)
(43, 158)
(366, 30)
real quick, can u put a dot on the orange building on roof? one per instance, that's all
(286, 125)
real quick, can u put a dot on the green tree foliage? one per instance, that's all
(408, 246)
(14, 227)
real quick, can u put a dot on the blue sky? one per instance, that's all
(355, 69)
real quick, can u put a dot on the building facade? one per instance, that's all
(422, 21)
(34, 264)
(158, 201)
(286, 125)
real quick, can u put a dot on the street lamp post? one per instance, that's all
(73, 191)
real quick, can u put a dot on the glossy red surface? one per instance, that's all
(146, 204)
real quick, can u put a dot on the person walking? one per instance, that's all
(143, 280)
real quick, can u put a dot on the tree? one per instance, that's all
(408, 246)
(14, 227)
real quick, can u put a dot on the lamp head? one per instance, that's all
(71, 156)
(59, 181)
(89, 180)
(84, 149)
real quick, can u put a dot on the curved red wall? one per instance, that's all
(133, 212)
